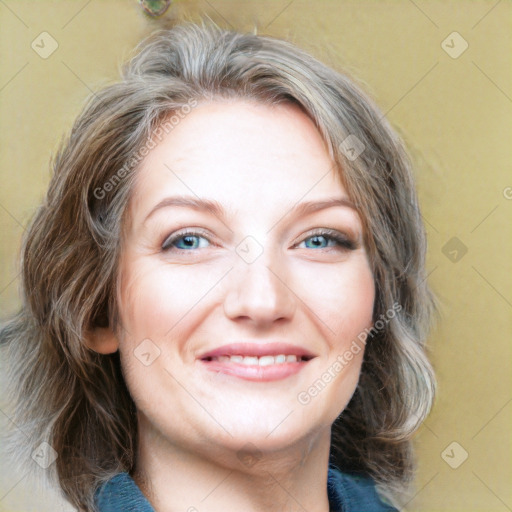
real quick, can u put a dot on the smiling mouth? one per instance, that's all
(257, 361)
(267, 360)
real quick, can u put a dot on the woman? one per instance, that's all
(225, 303)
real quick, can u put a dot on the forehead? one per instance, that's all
(242, 154)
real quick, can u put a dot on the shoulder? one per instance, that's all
(121, 494)
(352, 493)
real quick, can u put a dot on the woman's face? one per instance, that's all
(256, 274)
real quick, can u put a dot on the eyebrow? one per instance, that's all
(216, 209)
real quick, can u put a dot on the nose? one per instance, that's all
(259, 293)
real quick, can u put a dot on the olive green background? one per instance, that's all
(452, 110)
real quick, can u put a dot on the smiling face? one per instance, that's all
(221, 249)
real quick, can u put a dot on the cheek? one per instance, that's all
(155, 299)
(143, 300)
(346, 310)
(149, 308)
(344, 302)
(357, 305)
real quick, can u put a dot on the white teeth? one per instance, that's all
(266, 360)
(257, 361)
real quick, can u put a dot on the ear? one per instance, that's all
(102, 340)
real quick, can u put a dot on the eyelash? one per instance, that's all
(343, 242)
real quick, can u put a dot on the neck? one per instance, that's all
(216, 479)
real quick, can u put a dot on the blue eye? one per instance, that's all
(184, 241)
(318, 240)
(325, 239)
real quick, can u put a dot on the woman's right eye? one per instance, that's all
(185, 241)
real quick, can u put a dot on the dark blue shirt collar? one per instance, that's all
(346, 492)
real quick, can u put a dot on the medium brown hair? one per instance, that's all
(76, 399)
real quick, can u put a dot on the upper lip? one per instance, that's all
(257, 349)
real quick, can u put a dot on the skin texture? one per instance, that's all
(208, 440)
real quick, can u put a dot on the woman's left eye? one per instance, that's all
(328, 238)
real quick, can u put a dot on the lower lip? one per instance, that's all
(256, 372)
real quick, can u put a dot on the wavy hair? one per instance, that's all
(75, 399)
